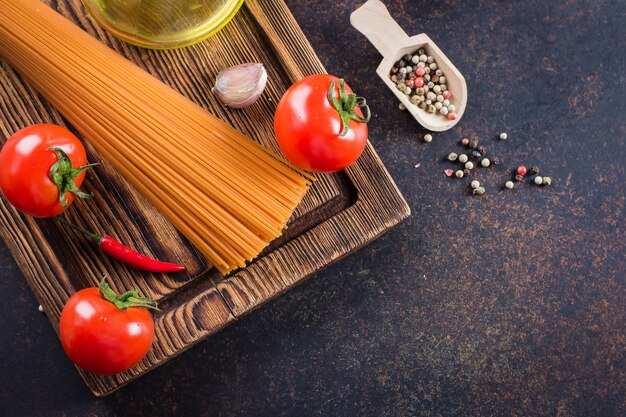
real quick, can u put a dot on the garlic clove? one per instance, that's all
(241, 85)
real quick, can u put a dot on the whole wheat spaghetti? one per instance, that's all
(227, 194)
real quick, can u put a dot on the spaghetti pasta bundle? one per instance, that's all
(227, 194)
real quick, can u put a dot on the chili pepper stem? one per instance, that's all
(95, 237)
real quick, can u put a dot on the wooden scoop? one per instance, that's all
(374, 21)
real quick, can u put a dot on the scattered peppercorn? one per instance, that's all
(538, 180)
(473, 143)
(495, 160)
(521, 170)
(465, 141)
(519, 178)
(466, 172)
(479, 191)
(547, 181)
(463, 158)
(509, 184)
(476, 154)
(40, 308)
(452, 156)
(401, 106)
(503, 136)
(459, 174)
(534, 170)
(482, 150)
(485, 162)
(428, 137)
(469, 165)
(475, 184)
(448, 172)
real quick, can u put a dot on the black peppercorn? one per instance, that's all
(401, 64)
(476, 154)
(519, 178)
(482, 150)
(495, 160)
(534, 170)
(473, 143)
(466, 172)
(394, 70)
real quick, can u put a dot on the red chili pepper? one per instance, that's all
(127, 255)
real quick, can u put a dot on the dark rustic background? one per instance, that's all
(509, 304)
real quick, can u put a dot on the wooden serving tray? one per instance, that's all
(341, 213)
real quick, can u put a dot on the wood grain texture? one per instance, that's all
(341, 213)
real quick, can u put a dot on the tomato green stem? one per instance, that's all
(346, 105)
(63, 174)
(127, 299)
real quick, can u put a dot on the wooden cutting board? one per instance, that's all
(341, 213)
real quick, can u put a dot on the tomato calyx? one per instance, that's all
(63, 174)
(127, 299)
(346, 105)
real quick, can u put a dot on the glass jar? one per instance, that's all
(162, 24)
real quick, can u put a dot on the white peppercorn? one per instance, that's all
(538, 180)
(459, 173)
(438, 105)
(426, 69)
(485, 162)
(415, 99)
(444, 111)
(439, 72)
(475, 184)
(401, 86)
(442, 79)
(479, 191)
(431, 95)
(444, 87)
(394, 78)
(432, 109)
(547, 181)
(446, 102)
(426, 77)
(452, 156)
(408, 68)
(463, 158)
(469, 165)
(420, 65)
(440, 98)
(437, 89)
(503, 136)
(423, 58)
(431, 84)
(452, 107)
(430, 59)
(428, 138)
(407, 90)
(433, 66)
(415, 59)
(509, 184)
(402, 70)
(429, 101)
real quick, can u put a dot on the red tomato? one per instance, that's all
(310, 128)
(100, 337)
(25, 166)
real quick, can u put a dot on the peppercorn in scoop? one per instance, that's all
(418, 76)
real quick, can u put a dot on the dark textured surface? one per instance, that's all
(509, 304)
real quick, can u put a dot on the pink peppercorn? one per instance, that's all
(465, 141)
(410, 82)
(448, 172)
(521, 170)
(446, 94)
(451, 115)
(419, 71)
(419, 82)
